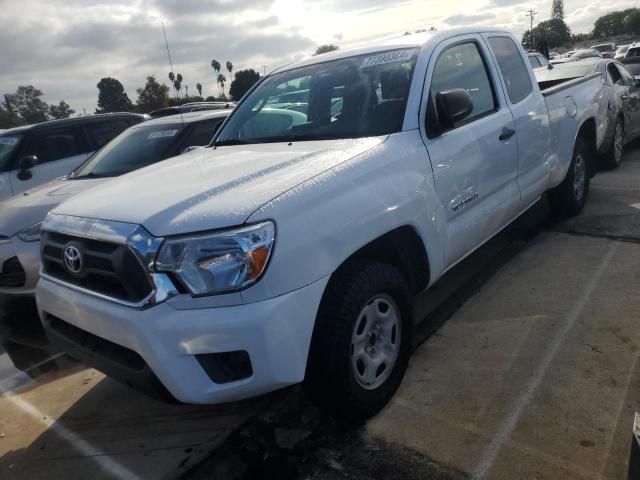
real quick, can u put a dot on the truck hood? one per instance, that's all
(211, 188)
(29, 208)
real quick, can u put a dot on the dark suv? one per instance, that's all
(34, 154)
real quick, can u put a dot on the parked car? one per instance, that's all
(291, 252)
(191, 107)
(35, 154)
(621, 117)
(607, 50)
(633, 51)
(137, 147)
(577, 55)
(537, 60)
(621, 52)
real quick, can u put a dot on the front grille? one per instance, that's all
(108, 268)
(12, 275)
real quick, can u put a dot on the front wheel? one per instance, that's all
(362, 340)
(569, 197)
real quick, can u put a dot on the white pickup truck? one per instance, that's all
(290, 250)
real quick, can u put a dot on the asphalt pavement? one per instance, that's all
(526, 367)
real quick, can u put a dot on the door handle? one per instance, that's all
(506, 134)
(624, 97)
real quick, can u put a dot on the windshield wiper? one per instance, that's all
(90, 175)
(226, 143)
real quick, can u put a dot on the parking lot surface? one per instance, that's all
(535, 375)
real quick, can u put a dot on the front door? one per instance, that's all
(58, 151)
(475, 162)
(632, 98)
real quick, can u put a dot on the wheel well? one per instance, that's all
(588, 133)
(402, 248)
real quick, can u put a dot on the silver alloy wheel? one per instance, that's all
(375, 342)
(618, 143)
(579, 176)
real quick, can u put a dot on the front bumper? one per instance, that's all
(28, 255)
(275, 333)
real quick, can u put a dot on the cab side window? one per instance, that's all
(55, 144)
(512, 67)
(462, 66)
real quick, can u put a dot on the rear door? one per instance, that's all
(59, 150)
(529, 113)
(475, 162)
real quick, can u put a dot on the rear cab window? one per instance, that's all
(512, 67)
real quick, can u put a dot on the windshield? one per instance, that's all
(348, 98)
(8, 145)
(133, 149)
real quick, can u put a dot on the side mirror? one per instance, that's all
(453, 106)
(25, 164)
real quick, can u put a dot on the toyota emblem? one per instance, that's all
(73, 259)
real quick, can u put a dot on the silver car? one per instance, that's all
(623, 119)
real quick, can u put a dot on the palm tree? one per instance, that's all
(216, 67)
(230, 68)
(177, 86)
(172, 79)
(199, 88)
(186, 92)
(221, 80)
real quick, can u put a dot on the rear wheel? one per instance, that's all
(613, 157)
(569, 197)
(362, 340)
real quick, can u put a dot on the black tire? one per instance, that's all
(330, 378)
(613, 157)
(567, 199)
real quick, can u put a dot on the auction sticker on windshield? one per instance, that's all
(162, 134)
(389, 57)
(8, 140)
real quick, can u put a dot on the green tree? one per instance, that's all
(325, 49)
(631, 21)
(112, 97)
(199, 88)
(9, 118)
(242, 82)
(152, 96)
(557, 9)
(216, 68)
(62, 110)
(27, 104)
(610, 24)
(222, 80)
(554, 32)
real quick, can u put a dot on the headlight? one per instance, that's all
(30, 234)
(218, 262)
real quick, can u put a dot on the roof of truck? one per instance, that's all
(389, 43)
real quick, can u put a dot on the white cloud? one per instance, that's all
(64, 47)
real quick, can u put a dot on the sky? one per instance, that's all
(64, 47)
